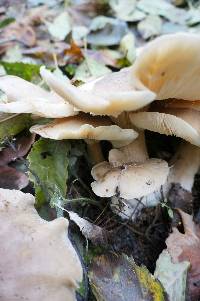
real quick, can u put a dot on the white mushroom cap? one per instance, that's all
(170, 66)
(182, 123)
(25, 97)
(37, 260)
(109, 95)
(131, 180)
(85, 127)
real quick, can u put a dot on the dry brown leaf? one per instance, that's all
(186, 247)
(17, 150)
(11, 178)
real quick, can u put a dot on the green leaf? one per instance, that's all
(172, 276)
(12, 124)
(6, 22)
(48, 165)
(28, 72)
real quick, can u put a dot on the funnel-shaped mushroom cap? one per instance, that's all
(170, 67)
(131, 180)
(85, 127)
(182, 123)
(25, 97)
(109, 95)
(37, 260)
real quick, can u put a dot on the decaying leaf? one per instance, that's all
(186, 247)
(10, 178)
(60, 27)
(18, 149)
(150, 27)
(163, 8)
(118, 278)
(37, 260)
(96, 234)
(126, 10)
(106, 31)
(172, 276)
(48, 168)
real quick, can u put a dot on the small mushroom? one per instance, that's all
(130, 177)
(37, 260)
(110, 95)
(25, 97)
(87, 127)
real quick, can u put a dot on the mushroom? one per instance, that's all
(108, 95)
(130, 177)
(37, 260)
(183, 123)
(183, 167)
(25, 97)
(90, 128)
(166, 68)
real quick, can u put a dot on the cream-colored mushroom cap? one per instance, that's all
(129, 181)
(85, 127)
(37, 260)
(110, 95)
(183, 123)
(170, 67)
(25, 97)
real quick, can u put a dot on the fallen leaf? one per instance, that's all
(28, 72)
(12, 124)
(164, 9)
(193, 16)
(186, 247)
(90, 69)
(79, 33)
(172, 276)
(96, 234)
(106, 31)
(178, 197)
(74, 53)
(20, 32)
(48, 163)
(10, 178)
(150, 27)
(126, 10)
(127, 46)
(17, 149)
(60, 27)
(118, 278)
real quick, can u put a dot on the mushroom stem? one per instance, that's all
(185, 166)
(135, 152)
(94, 151)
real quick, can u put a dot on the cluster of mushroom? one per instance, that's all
(160, 92)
